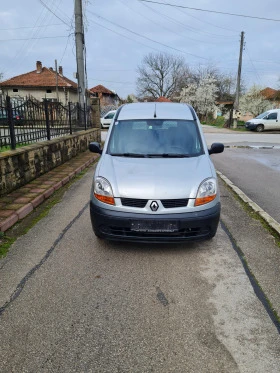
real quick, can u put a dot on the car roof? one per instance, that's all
(163, 110)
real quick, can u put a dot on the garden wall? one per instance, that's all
(18, 167)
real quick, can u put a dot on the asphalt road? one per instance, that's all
(252, 162)
(256, 172)
(73, 303)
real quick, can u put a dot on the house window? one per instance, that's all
(49, 99)
(49, 91)
(15, 90)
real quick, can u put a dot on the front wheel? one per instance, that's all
(260, 128)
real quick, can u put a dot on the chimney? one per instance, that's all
(39, 67)
(60, 70)
(51, 68)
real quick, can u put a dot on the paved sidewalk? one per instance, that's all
(16, 205)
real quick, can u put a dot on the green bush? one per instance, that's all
(218, 122)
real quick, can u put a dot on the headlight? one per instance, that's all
(207, 192)
(103, 191)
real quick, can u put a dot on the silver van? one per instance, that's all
(155, 180)
(269, 120)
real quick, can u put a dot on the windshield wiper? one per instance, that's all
(132, 155)
(168, 155)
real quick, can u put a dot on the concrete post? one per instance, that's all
(95, 114)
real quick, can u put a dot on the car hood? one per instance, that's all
(255, 121)
(155, 178)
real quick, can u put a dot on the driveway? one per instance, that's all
(72, 303)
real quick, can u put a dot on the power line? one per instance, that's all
(209, 23)
(162, 26)
(111, 81)
(39, 37)
(67, 42)
(49, 9)
(36, 31)
(27, 27)
(268, 61)
(189, 28)
(113, 70)
(145, 37)
(124, 36)
(254, 67)
(211, 11)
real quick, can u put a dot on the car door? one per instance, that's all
(271, 121)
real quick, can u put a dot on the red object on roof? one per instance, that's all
(41, 77)
(162, 99)
(101, 89)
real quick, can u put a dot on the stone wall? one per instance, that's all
(18, 167)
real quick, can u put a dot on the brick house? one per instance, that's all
(41, 83)
(106, 96)
(162, 99)
(272, 95)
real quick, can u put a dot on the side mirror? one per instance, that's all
(95, 147)
(216, 148)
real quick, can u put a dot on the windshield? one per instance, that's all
(155, 138)
(262, 115)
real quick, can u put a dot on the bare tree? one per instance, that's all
(161, 74)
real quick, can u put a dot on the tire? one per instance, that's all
(260, 128)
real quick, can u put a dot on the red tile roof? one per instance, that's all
(162, 99)
(270, 93)
(46, 78)
(101, 89)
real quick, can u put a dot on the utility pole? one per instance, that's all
(80, 41)
(236, 102)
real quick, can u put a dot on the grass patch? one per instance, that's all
(220, 121)
(5, 243)
(8, 147)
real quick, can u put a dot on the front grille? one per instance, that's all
(167, 203)
(173, 203)
(184, 233)
(134, 202)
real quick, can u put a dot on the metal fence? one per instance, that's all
(105, 109)
(27, 121)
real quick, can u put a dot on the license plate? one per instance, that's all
(154, 226)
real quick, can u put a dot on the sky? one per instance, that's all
(119, 33)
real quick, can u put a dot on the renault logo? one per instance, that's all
(154, 206)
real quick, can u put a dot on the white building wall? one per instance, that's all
(40, 94)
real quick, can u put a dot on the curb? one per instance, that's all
(256, 208)
(29, 207)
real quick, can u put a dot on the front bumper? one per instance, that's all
(192, 226)
(250, 126)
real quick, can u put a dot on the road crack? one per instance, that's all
(25, 279)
